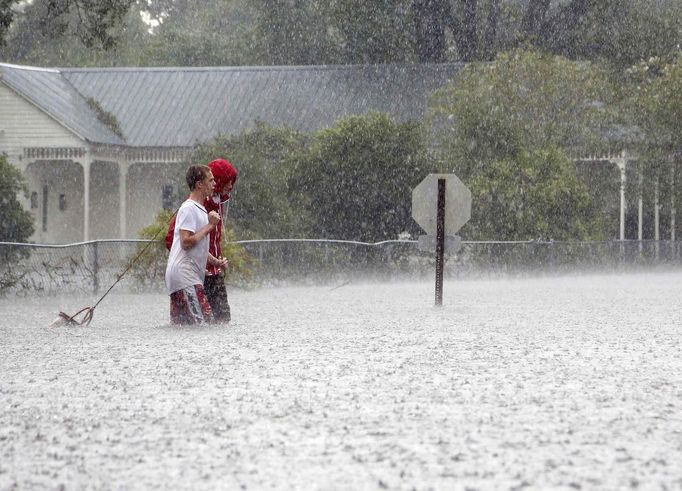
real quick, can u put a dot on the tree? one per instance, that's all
(372, 32)
(93, 22)
(506, 128)
(260, 207)
(653, 102)
(618, 31)
(220, 33)
(658, 102)
(29, 43)
(536, 194)
(429, 30)
(524, 99)
(355, 31)
(314, 32)
(16, 224)
(6, 17)
(621, 32)
(355, 179)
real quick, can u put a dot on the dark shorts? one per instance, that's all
(190, 306)
(216, 293)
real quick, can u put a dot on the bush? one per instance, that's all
(354, 180)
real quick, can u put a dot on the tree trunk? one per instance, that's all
(430, 33)
(573, 13)
(566, 19)
(672, 200)
(469, 44)
(657, 218)
(491, 30)
(534, 18)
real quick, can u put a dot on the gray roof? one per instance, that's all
(51, 92)
(176, 107)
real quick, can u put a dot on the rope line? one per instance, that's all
(90, 311)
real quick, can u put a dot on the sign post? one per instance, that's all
(440, 242)
(441, 205)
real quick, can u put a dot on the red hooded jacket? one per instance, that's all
(223, 172)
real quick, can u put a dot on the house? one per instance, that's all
(100, 147)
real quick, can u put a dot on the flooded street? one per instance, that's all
(562, 383)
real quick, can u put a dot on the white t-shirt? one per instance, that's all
(187, 268)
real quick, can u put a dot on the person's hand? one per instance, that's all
(219, 262)
(213, 217)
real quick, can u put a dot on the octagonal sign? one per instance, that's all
(457, 203)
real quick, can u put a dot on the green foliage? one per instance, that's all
(259, 207)
(522, 100)
(304, 32)
(351, 31)
(293, 33)
(537, 194)
(6, 18)
(36, 38)
(219, 33)
(653, 102)
(341, 32)
(149, 266)
(105, 117)
(94, 23)
(16, 224)
(620, 32)
(519, 116)
(355, 179)
(373, 32)
(241, 264)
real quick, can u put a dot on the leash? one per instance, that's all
(88, 312)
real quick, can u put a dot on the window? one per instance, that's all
(34, 200)
(167, 197)
(45, 196)
(62, 202)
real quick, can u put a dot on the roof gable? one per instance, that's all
(52, 93)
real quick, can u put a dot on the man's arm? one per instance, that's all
(218, 262)
(190, 239)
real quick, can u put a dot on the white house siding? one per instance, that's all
(24, 125)
(146, 182)
(61, 224)
(104, 200)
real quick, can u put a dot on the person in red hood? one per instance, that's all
(214, 282)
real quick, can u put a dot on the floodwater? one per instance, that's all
(550, 383)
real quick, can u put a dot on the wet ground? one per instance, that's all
(564, 383)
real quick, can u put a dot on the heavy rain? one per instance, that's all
(409, 244)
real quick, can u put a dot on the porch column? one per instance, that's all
(657, 211)
(621, 162)
(86, 162)
(657, 218)
(672, 200)
(122, 196)
(25, 200)
(640, 205)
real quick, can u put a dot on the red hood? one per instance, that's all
(223, 172)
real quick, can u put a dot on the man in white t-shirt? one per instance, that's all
(189, 253)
